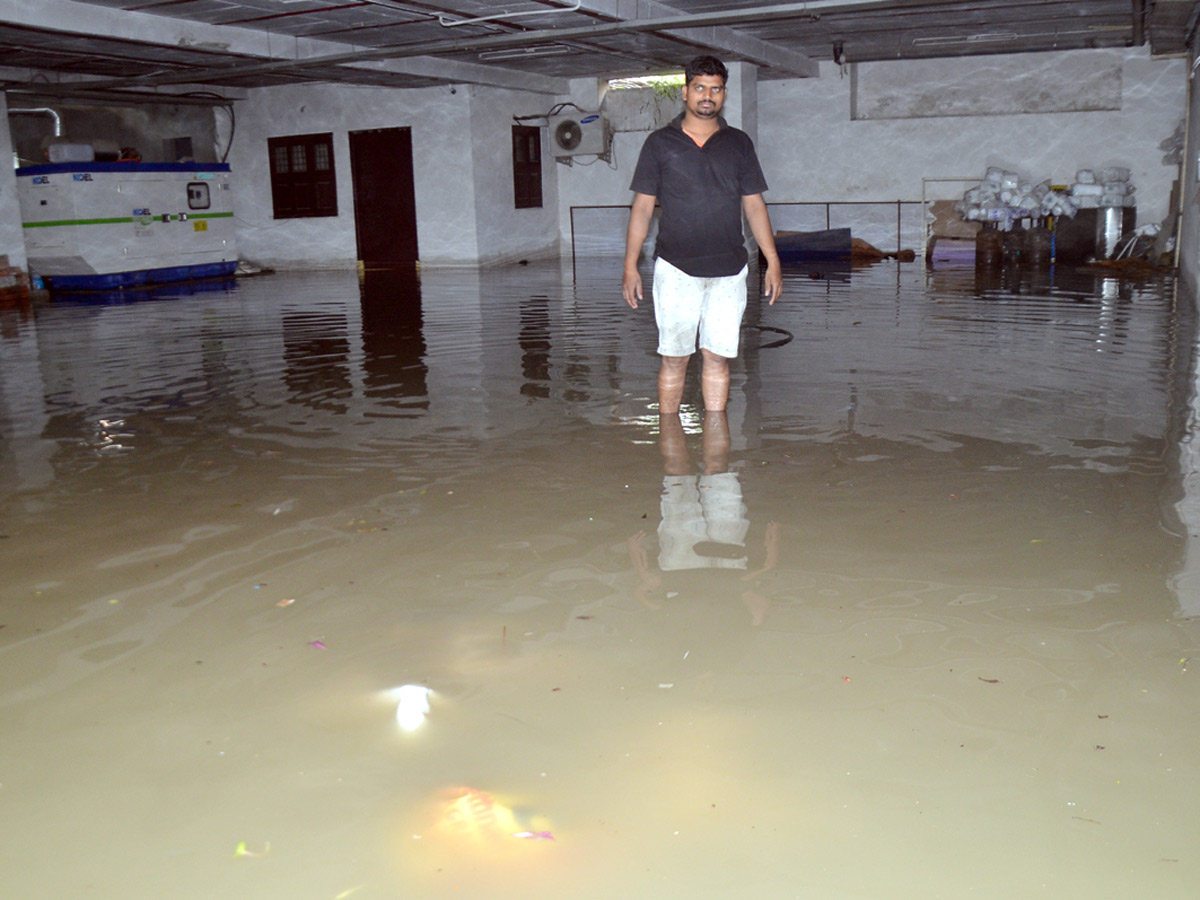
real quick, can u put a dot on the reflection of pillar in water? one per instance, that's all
(1185, 583)
(1108, 230)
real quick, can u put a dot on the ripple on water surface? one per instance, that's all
(913, 588)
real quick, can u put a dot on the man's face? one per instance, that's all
(704, 96)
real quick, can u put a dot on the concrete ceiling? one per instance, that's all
(135, 50)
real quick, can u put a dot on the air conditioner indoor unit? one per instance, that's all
(581, 134)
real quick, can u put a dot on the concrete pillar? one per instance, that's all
(741, 111)
(12, 237)
(1188, 237)
(741, 98)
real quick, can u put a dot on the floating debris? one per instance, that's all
(241, 850)
(412, 705)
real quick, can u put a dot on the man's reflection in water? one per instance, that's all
(704, 524)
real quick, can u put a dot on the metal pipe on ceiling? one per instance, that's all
(65, 92)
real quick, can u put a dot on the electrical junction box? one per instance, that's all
(104, 225)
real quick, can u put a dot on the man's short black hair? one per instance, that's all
(705, 65)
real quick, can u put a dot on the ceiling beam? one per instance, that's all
(1171, 26)
(780, 11)
(452, 71)
(84, 19)
(633, 17)
(103, 21)
(718, 38)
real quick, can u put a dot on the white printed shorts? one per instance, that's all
(687, 307)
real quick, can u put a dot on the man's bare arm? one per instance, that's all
(760, 226)
(640, 214)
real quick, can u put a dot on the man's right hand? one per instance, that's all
(641, 211)
(631, 287)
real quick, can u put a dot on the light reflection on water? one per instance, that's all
(915, 584)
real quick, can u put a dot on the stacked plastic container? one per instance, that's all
(1107, 188)
(1004, 197)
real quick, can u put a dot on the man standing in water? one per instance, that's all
(706, 174)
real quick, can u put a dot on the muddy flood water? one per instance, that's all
(313, 590)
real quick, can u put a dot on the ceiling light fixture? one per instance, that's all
(994, 38)
(451, 23)
(524, 52)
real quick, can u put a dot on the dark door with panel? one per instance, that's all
(385, 210)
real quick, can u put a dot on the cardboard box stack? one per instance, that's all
(14, 282)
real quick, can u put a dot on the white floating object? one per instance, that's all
(413, 705)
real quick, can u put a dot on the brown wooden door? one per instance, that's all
(385, 209)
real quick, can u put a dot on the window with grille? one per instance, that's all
(302, 175)
(527, 166)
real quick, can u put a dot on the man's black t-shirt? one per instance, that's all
(700, 190)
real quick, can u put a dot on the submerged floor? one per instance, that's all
(912, 621)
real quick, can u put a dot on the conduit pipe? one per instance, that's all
(41, 111)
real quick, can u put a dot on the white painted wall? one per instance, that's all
(504, 233)
(813, 151)
(462, 172)
(12, 240)
(440, 122)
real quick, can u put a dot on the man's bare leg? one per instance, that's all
(672, 372)
(714, 381)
